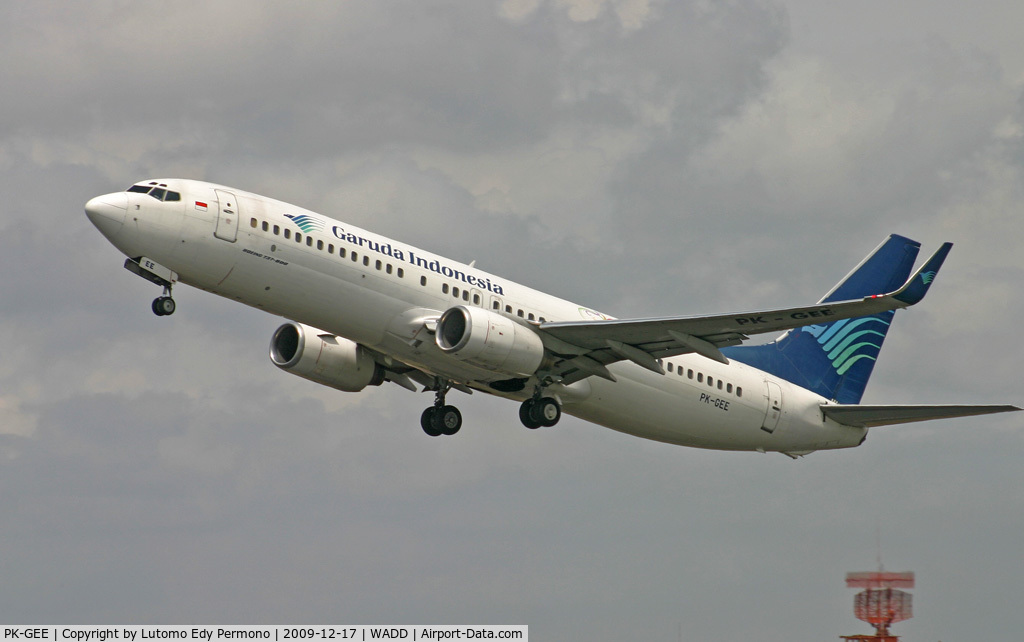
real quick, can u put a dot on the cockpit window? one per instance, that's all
(159, 193)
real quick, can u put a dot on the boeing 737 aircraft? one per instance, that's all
(368, 309)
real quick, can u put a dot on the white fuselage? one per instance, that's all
(377, 292)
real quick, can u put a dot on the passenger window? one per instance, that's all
(319, 245)
(341, 252)
(680, 371)
(378, 265)
(298, 237)
(530, 316)
(287, 233)
(366, 260)
(519, 313)
(401, 273)
(266, 226)
(309, 241)
(465, 295)
(728, 387)
(689, 374)
(277, 229)
(389, 268)
(330, 248)
(455, 292)
(495, 306)
(355, 257)
(508, 308)
(253, 223)
(476, 299)
(700, 377)
(423, 280)
(739, 391)
(711, 381)
(719, 384)
(444, 288)
(670, 367)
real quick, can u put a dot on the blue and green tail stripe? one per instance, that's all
(835, 360)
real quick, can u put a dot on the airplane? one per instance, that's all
(367, 309)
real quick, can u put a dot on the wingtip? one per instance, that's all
(914, 290)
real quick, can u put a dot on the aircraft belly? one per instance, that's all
(672, 411)
(674, 414)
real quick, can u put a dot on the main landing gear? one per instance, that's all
(441, 419)
(540, 411)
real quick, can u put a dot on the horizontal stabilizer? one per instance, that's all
(869, 416)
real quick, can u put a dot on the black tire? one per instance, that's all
(427, 422)
(448, 419)
(526, 415)
(163, 306)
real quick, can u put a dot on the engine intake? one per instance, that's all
(324, 358)
(488, 340)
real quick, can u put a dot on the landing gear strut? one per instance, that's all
(155, 273)
(441, 419)
(540, 411)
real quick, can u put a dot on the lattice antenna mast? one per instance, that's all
(881, 603)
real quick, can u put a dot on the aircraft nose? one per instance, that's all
(108, 212)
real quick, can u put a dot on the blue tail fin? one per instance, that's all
(835, 360)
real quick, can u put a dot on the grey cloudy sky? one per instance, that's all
(641, 157)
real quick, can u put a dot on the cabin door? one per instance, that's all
(773, 412)
(227, 217)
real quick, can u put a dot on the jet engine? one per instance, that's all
(488, 340)
(324, 358)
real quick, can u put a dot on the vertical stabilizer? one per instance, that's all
(835, 360)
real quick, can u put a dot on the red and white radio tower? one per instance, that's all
(881, 603)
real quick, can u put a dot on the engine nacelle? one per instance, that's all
(488, 340)
(324, 358)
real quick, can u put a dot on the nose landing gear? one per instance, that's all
(164, 305)
(155, 273)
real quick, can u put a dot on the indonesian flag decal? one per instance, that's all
(201, 206)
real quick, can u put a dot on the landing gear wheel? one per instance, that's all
(526, 415)
(427, 422)
(441, 420)
(546, 411)
(448, 419)
(163, 306)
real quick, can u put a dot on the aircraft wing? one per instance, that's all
(871, 416)
(588, 346)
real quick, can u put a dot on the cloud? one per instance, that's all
(640, 157)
